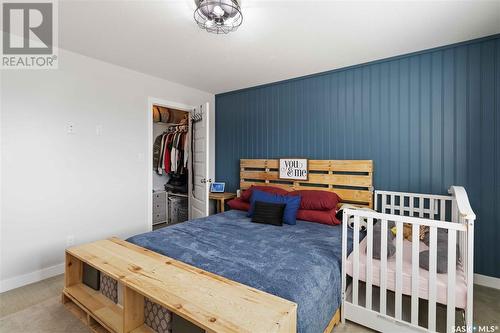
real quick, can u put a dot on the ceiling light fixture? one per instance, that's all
(218, 16)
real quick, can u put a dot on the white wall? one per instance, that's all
(55, 184)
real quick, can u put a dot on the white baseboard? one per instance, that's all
(487, 281)
(22, 280)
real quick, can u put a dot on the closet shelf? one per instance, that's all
(183, 195)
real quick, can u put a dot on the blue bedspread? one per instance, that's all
(301, 263)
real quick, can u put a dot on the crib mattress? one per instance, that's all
(441, 281)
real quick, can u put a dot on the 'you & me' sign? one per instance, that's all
(293, 168)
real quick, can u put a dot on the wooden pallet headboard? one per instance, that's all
(352, 180)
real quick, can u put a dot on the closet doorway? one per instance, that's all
(178, 171)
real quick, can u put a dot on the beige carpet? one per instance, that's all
(37, 308)
(47, 316)
(51, 316)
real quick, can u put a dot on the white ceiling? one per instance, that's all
(278, 39)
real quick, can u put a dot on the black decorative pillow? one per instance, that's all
(268, 213)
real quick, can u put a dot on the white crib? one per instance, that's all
(374, 296)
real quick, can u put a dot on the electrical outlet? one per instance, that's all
(70, 240)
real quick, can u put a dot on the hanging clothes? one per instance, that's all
(160, 160)
(186, 151)
(170, 151)
(183, 152)
(157, 152)
(173, 155)
(166, 154)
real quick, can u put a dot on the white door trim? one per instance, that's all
(200, 208)
(149, 155)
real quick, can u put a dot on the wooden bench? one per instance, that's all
(209, 301)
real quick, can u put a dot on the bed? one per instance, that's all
(301, 263)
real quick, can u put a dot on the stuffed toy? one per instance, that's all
(377, 231)
(442, 239)
(350, 222)
(377, 240)
(408, 231)
(441, 252)
(441, 248)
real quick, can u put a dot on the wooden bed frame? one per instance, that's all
(143, 273)
(352, 180)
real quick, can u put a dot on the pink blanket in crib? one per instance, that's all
(441, 282)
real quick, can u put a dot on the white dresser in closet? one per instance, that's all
(159, 207)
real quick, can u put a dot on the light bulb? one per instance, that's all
(218, 11)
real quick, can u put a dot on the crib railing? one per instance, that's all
(455, 208)
(452, 213)
(465, 215)
(430, 206)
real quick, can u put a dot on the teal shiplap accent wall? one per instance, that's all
(428, 120)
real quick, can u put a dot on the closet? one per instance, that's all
(171, 165)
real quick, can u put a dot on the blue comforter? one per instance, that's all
(301, 263)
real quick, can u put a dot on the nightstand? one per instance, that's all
(221, 199)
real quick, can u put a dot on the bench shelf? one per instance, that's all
(209, 301)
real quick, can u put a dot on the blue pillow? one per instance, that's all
(292, 204)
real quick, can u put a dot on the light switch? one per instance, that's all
(98, 129)
(70, 127)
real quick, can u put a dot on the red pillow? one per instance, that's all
(245, 195)
(238, 204)
(317, 199)
(318, 216)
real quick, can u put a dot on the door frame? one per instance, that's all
(207, 175)
(149, 155)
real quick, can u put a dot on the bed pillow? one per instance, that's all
(318, 216)
(238, 204)
(317, 199)
(247, 194)
(292, 204)
(268, 213)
